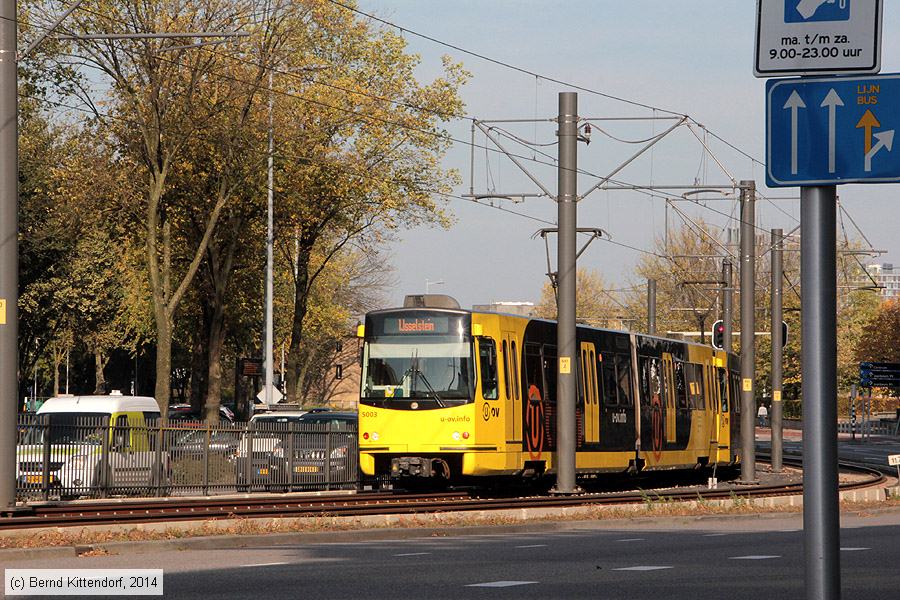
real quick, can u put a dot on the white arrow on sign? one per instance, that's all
(885, 140)
(832, 101)
(794, 103)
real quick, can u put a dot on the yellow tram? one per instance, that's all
(450, 394)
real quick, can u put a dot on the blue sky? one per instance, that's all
(687, 56)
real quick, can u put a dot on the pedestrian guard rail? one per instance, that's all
(64, 456)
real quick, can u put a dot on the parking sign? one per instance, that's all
(805, 37)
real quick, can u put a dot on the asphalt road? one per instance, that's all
(731, 557)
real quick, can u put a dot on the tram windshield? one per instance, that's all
(417, 361)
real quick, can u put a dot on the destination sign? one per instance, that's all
(879, 374)
(414, 325)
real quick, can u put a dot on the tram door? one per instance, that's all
(590, 393)
(723, 415)
(669, 379)
(512, 385)
(712, 409)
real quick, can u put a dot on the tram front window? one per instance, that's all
(430, 372)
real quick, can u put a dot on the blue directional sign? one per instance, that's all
(832, 130)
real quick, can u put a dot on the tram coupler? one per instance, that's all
(418, 466)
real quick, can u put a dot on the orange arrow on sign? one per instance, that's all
(868, 121)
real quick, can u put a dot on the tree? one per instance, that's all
(359, 157)
(167, 98)
(880, 337)
(595, 305)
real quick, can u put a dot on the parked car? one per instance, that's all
(184, 412)
(309, 450)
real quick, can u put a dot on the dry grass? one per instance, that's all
(93, 540)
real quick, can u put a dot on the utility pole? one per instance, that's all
(9, 252)
(567, 203)
(651, 306)
(268, 353)
(727, 303)
(748, 327)
(777, 347)
(818, 277)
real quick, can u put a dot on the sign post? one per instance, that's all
(821, 132)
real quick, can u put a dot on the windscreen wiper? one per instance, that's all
(431, 389)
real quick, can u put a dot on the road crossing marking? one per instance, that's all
(755, 557)
(533, 546)
(413, 554)
(643, 568)
(632, 540)
(714, 534)
(853, 549)
(271, 564)
(498, 584)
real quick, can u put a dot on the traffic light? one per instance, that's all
(718, 335)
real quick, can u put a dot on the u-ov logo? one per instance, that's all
(803, 11)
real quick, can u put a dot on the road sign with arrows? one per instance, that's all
(832, 130)
(878, 374)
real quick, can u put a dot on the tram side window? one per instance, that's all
(608, 375)
(735, 393)
(504, 349)
(515, 370)
(550, 371)
(623, 374)
(723, 388)
(582, 374)
(651, 381)
(693, 375)
(488, 359)
(681, 397)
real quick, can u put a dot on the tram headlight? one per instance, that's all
(375, 435)
(456, 436)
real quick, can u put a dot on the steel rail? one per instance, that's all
(162, 510)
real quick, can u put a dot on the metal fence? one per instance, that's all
(65, 456)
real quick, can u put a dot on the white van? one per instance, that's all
(81, 432)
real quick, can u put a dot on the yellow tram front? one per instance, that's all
(422, 390)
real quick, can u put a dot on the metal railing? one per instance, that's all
(65, 456)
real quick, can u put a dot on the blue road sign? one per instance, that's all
(832, 130)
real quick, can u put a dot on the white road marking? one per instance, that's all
(642, 568)
(413, 554)
(632, 540)
(533, 546)
(755, 557)
(714, 534)
(498, 584)
(271, 564)
(853, 549)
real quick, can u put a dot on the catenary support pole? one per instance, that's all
(9, 252)
(269, 358)
(821, 525)
(728, 304)
(777, 346)
(567, 198)
(748, 327)
(651, 306)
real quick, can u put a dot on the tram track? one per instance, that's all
(376, 503)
